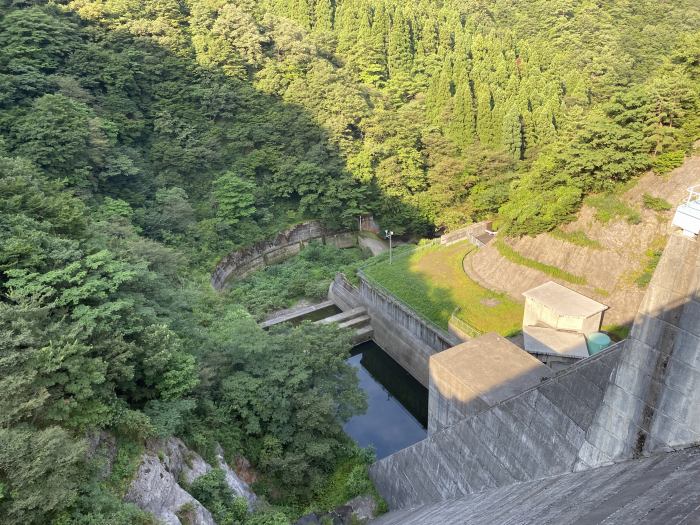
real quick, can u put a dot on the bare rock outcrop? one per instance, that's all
(236, 484)
(156, 490)
(156, 487)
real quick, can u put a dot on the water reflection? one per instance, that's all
(397, 404)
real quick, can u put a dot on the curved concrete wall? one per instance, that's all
(287, 243)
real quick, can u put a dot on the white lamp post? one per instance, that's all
(387, 235)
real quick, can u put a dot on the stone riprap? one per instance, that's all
(635, 398)
(657, 490)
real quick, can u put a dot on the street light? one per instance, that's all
(387, 235)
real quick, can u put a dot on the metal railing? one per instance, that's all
(462, 325)
(693, 194)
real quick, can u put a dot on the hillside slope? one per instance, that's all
(610, 267)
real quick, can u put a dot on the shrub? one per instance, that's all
(510, 254)
(655, 203)
(212, 491)
(666, 162)
(576, 237)
(609, 207)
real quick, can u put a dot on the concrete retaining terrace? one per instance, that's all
(287, 243)
(639, 397)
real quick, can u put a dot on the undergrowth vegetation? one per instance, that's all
(512, 255)
(306, 276)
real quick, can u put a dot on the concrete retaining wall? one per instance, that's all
(402, 333)
(535, 434)
(471, 232)
(287, 243)
(653, 400)
(636, 398)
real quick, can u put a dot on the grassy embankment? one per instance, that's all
(432, 281)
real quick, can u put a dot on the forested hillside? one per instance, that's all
(142, 141)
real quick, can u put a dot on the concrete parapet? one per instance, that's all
(477, 375)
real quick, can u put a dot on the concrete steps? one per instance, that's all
(356, 322)
(355, 319)
(344, 316)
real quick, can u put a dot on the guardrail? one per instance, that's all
(462, 325)
(446, 339)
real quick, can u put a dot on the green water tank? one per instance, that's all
(597, 342)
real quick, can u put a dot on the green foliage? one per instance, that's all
(306, 276)
(234, 198)
(509, 253)
(39, 470)
(667, 162)
(653, 256)
(126, 462)
(655, 203)
(349, 479)
(142, 141)
(619, 332)
(293, 431)
(609, 207)
(212, 491)
(431, 280)
(577, 237)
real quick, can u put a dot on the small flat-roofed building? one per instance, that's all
(557, 321)
(476, 375)
(556, 306)
(687, 216)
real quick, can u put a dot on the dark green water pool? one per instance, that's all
(397, 411)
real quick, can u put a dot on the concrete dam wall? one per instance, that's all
(403, 334)
(639, 397)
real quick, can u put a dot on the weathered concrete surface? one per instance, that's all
(408, 338)
(635, 398)
(663, 489)
(562, 308)
(548, 341)
(287, 243)
(477, 375)
(401, 333)
(343, 294)
(476, 234)
(355, 319)
(295, 313)
(535, 434)
(653, 400)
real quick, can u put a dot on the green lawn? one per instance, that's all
(432, 281)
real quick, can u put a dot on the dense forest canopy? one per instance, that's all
(141, 141)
